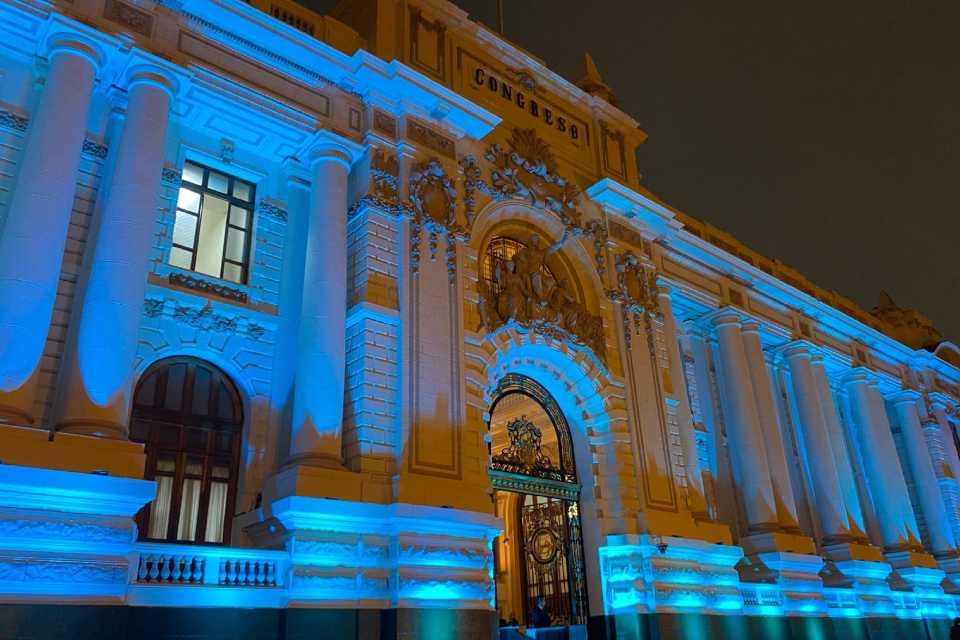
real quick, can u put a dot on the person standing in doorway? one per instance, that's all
(540, 618)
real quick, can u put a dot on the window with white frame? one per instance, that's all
(212, 231)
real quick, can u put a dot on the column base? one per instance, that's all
(645, 574)
(380, 556)
(67, 536)
(857, 575)
(310, 481)
(788, 561)
(917, 573)
(950, 565)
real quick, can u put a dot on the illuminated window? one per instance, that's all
(211, 234)
(189, 417)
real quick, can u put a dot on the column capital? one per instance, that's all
(155, 76)
(71, 37)
(327, 146)
(77, 45)
(859, 376)
(799, 349)
(750, 326)
(938, 399)
(904, 396)
(726, 317)
(296, 173)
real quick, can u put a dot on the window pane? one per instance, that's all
(216, 512)
(189, 510)
(188, 200)
(160, 509)
(201, 391)
(166, 465)
(238, 216)
(213, 224)
(146, 390)
(242, 190)
(232, 272)
(181, 258)
(236, 240)
(174, 395)
(217, 182)
(185, 229)
(192, 173)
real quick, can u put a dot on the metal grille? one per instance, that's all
(553, 558)
(499, 251)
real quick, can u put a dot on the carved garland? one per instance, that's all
(637, 294)
(433, 200)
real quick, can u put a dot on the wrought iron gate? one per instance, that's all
(553, 558)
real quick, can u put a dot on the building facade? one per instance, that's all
(363, 326)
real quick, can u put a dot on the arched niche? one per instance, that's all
(531, 273)
(520, 221)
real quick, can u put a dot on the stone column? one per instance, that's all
(33, 238)
(770, 424)
(938, 410)
(927, 487)
(816, 441)
(688, 439)
(317, 420)
(99, 386)
(743, 428)
(842, 458)
(888, 487)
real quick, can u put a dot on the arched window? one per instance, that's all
(500, 249)
(189, 416)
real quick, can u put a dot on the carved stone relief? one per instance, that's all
(433, 204)
(527, 172)
(523, 296)
(637, 294)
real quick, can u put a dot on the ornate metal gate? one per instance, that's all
(549, 514)
(553, 558)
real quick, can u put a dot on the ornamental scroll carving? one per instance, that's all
(636, 292)
(523, 295)
(527, 171)
(525, 455)
(433, 202)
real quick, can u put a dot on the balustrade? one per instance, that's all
(184, 565)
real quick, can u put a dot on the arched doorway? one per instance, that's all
(189, 416)
(536, 493)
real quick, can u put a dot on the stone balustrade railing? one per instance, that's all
(180, 564)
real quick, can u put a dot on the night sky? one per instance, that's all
(825, 134)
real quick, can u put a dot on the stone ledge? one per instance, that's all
(29, 447)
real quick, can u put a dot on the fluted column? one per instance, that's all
(99, 386)
(816, 440)
(316, 429)
(927, 487)
(688, 439)
(747, 445)
(888, 487)
(33, 237)
(770, 424)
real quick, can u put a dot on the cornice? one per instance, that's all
(654, 220)
(391, 85)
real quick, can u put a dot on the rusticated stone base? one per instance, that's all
(697, 627)
(61, 622)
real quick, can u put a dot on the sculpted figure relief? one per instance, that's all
(526, 293)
